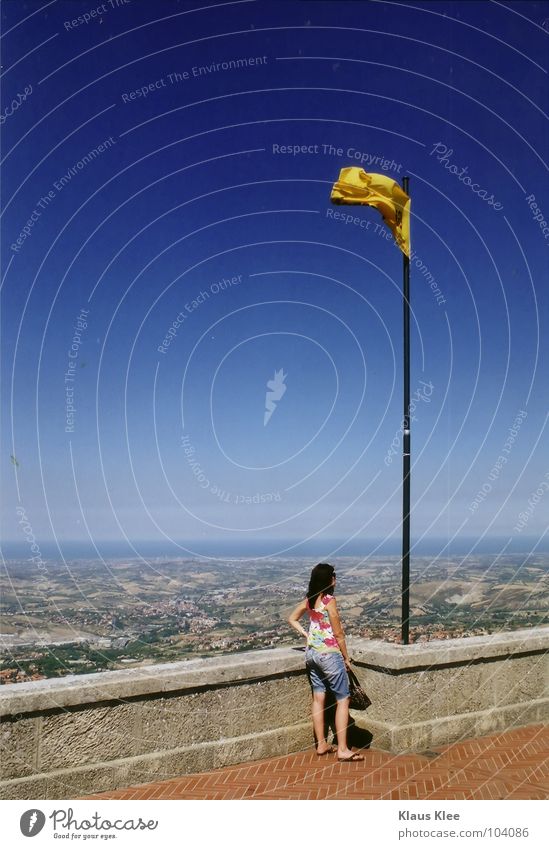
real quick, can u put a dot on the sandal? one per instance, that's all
(329, 751)
(354, 757)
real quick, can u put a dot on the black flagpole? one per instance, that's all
(406, 446)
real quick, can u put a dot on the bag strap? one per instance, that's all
(353, 677)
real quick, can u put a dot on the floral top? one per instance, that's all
(321, 637)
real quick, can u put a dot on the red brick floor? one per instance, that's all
(510, 765)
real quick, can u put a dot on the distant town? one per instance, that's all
(87, 616)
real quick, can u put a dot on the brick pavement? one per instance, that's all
(510, 765)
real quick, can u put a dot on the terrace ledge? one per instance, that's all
(222, 670)
(63, 738)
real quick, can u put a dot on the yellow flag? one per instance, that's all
(356, 186)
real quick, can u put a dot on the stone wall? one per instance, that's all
(431, 694)
(69, 737)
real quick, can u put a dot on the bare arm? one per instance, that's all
(295, 616)
(337, 628)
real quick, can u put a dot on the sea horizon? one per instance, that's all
(189, 549)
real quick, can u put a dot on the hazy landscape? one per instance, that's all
(87, 615)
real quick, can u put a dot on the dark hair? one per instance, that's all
(320, 582)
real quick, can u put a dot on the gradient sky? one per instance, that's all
(193, 188)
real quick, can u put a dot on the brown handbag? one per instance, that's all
(359, 699)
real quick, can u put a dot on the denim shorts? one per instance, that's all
(326, 670)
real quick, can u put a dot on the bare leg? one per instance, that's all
(342, 723)
(318, 721)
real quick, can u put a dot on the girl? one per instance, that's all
(326, 658)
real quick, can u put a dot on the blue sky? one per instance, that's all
(167, 169)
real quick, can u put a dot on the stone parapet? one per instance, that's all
(431, 694)
(72, 736)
